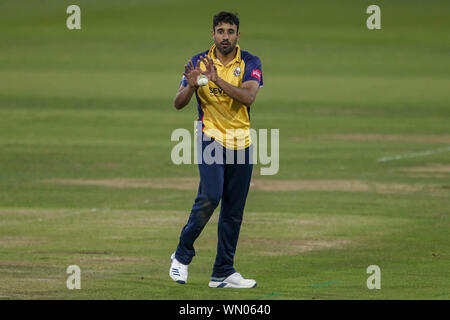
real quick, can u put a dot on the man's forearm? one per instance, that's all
(243, 95)
(183, 97)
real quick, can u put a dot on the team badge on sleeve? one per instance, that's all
(256, 74)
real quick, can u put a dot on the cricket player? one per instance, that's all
(235, 77)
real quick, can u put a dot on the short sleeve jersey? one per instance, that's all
(223, 118)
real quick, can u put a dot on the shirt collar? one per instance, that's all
(237, 58)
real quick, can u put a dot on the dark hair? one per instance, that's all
(226, 17)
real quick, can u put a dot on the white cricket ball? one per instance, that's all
(202, 80)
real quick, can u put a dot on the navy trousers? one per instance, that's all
(226, 182)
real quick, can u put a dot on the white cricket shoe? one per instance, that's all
(233, 281)
(178, 271)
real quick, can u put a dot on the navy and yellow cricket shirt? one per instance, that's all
(219, 112)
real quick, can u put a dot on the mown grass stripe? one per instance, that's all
(267, 296)
(324, 284)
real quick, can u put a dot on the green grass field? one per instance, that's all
(85, 113)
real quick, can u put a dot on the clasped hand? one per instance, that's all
(192, 73)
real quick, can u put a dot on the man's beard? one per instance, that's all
(227, 49)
